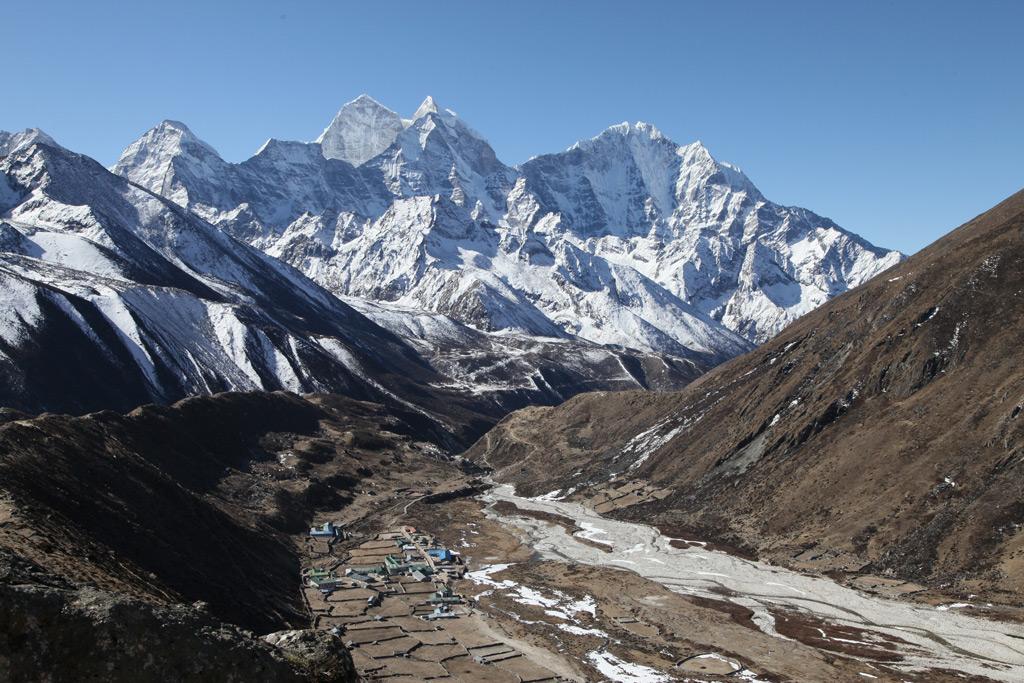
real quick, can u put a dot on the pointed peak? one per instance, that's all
(361, 110)
(30, 136)
(446, 117)
(364, 99)
(164, 141)
(362, 129)
(429, 106)
(174, 125)
(696, 150)
(266, 145)
(170, 132)
(364, 104)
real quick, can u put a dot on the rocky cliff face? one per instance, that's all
(886, 424)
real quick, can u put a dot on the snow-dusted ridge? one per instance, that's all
(626, 238)
(118, 296)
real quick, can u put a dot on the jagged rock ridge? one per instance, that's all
(117, 296)
(627, 238)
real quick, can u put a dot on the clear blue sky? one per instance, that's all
(898, 120)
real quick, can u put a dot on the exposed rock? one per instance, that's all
(321, 655)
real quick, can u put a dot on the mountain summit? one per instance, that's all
(362, 129)
(627, 238)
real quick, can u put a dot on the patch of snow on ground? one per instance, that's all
(648, 442)
(625, 672)
(550, 495)
(587, 604)
(766, 622)
(590, 531)
(711, 655)
(529, 596)
(955, 605)
(580, 631)
(483, 576)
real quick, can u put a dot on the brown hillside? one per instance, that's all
(207, 500)
(887, 423)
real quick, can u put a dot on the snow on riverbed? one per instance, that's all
(949, 638)
(591, 532)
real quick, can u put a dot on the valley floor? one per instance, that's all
(546, 590)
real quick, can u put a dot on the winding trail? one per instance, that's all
(950, 639)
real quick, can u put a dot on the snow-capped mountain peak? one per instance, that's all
(164, 155)
(13, 142)
(625, 238)
(172, 137)
(429, 106)
(362, 129)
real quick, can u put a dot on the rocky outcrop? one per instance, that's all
(320, 655)
(56, 631)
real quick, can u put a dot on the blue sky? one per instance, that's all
(898, 120)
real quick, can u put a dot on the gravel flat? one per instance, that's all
(949, 638)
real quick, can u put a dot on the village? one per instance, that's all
(393, 598)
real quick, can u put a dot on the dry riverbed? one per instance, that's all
(852, 631)
(553, 591)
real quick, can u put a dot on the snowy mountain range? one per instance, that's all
(115, 296)
(626, 239)
(393, 259)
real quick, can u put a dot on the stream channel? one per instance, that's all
(945, 636)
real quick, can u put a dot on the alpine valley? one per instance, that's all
(277, 420)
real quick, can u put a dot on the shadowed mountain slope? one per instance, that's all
(886, 423)
(204, 500)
